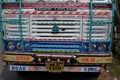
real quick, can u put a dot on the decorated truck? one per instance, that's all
(56, 35)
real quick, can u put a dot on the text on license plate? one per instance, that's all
(54, 66)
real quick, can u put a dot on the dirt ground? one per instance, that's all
(107, 76)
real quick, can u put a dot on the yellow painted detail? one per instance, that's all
(94, 59)
(55, 66)
(21, 58)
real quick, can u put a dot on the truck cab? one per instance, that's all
(56, 36)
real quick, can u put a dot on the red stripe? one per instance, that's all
(27, 12)
(77, 13)
(99, 13)
(14, 12)
(49, 12)
(70, 12)
(34, 12)
(41, 12)
(106, 13)
(56, 12)
(85, 13)
(63, 13)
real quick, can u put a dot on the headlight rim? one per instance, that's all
(94, 47)
(19, 46)
(9, 45)
(103, 47)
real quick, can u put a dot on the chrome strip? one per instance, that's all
(43, 68)
(61, 54)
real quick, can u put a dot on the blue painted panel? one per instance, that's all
(85, 47)
(26, 45)
(14, 43)
(56, 46)
(82, 47)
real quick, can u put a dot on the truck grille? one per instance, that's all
(56, 30)
(64, 47)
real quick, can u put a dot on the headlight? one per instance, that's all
(85, 47)
(102, 47)
(19, 46)
(11, 45)
(26, 45)
(92, 47)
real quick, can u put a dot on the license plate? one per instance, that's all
(55, 66)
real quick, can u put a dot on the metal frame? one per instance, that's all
(20, 20)
(91, 22)
(105, 22)
(1, 25)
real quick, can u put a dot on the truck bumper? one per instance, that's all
(72, 63)
(80, 58)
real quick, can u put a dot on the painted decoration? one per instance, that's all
(94, 59)
(22, 58)
(57, 5)
(65, 69)
(55, 29)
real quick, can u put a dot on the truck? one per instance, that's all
(56, 35)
